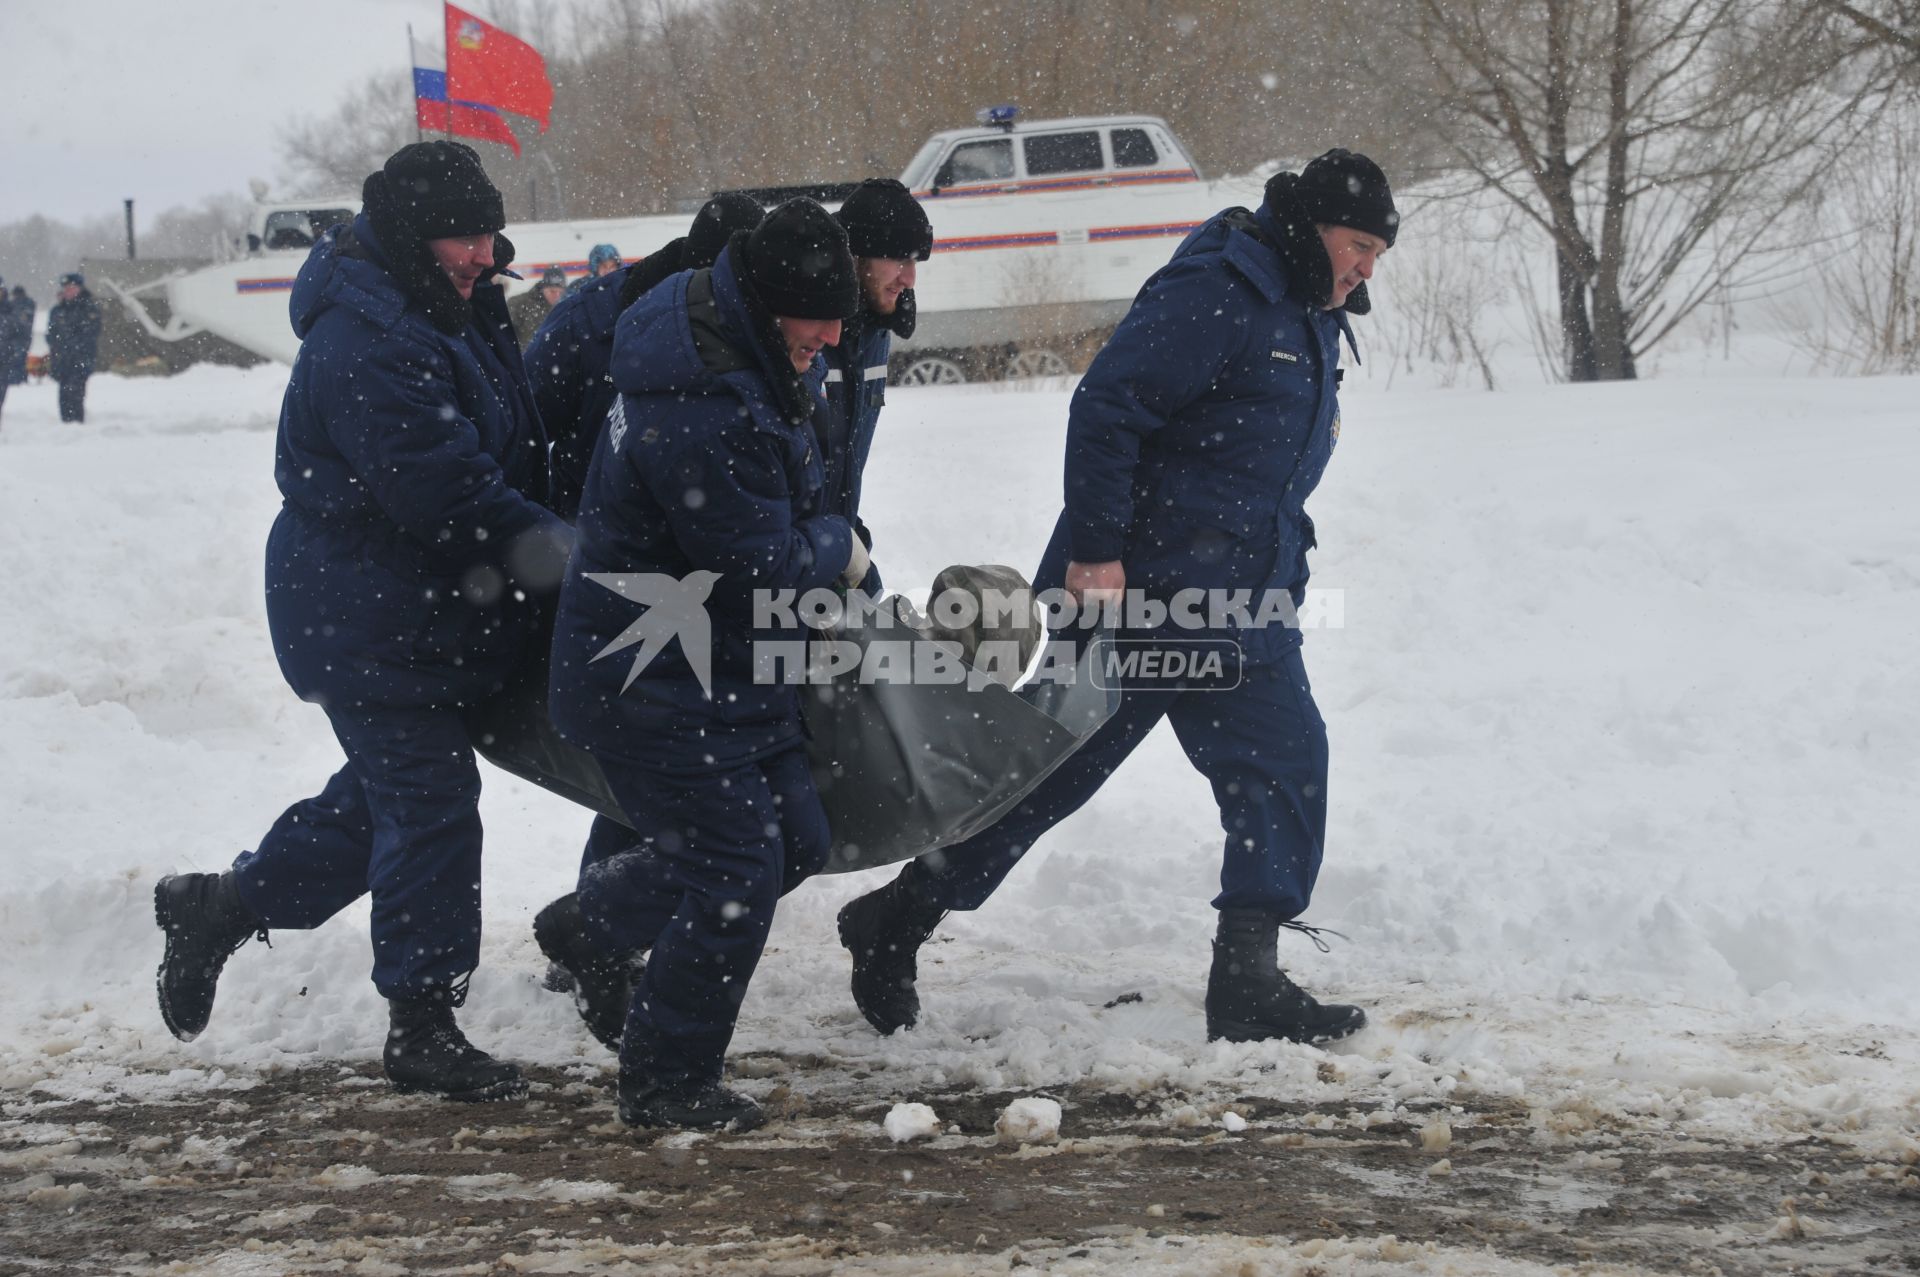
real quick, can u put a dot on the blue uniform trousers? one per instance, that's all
(1262, 746)
(400, 820)
(606, 839)
(719, 850)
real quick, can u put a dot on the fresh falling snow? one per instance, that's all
(1624, 766)
(1625, 774)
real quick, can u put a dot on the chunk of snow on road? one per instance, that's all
(344, 1175)
(906, 1122)
(1032, 1120)
(58, 1196)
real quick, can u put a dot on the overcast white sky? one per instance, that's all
(168, 101)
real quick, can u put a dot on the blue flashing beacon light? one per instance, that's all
(999, 117)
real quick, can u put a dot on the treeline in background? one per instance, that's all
(1664, 157)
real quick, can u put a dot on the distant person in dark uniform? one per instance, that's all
(602, 259)
(73, 343)
(531, 308)
(13, 359)
(404, 582)
(10, 325)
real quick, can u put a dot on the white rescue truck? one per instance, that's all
(1043, 232)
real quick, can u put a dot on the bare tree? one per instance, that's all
(332, 154)
(660, 102)
(1658, 143)
(1891, 23)
(1863, 314)
(664, 101)
(212, 228)
(35, 250)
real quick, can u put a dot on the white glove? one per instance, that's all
(857, 566)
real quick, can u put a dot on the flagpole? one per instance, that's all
(447, 38)
(413, 60)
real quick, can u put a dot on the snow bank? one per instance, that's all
(1623, 741)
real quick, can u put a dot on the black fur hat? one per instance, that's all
(715, 224)
(719, 220)
(440, 190)
(433, 190)
(1343, 188)
(799, 264)
(883, 219)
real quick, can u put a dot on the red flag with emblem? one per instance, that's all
(491, 67)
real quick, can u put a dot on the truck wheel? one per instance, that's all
(1037, 362)
(932, 371)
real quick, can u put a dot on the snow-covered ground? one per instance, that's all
(1626, 768)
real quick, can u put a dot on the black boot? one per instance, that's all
(601, 982)
(427, 1052)
(1250, 999)
(691, 1105)
(205, 922)
(884, 930)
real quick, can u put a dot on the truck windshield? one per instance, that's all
(978, 162)
(299, 228)
(915, 175)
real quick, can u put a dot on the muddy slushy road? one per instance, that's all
(325, 1170)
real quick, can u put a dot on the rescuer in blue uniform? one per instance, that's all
(73, 344)
(1193, 443)
(568, 358)
(403, 577)
(890, 236)
(569, 364)
(706, 486)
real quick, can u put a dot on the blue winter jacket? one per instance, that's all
(567, 364)
(73, 338)
(411, 546)
(700, 470)
(856, 388)
(1201, 428)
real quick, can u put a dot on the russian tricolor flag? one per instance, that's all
(439, 114)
